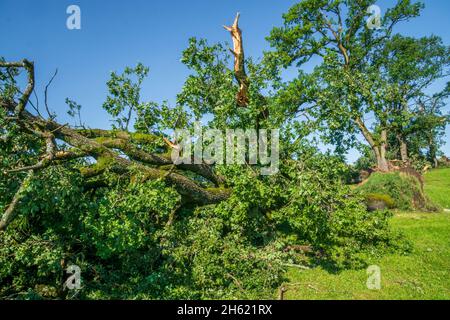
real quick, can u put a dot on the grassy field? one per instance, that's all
(424, 274)
(437, 187)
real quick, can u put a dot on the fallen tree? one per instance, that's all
(141, 227)
(104, 146)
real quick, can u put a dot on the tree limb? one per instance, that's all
(190, 190)
(11, 211)
(46, 94)
(29, 67)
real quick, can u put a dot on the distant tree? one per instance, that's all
(428, 127)
(410, 67)
(346, 91)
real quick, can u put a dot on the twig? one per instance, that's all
(36, 108)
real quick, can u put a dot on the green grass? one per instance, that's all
(423, 274)
(437, 186)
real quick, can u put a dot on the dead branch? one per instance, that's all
(124, 141)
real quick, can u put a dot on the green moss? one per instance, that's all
(388, 201)
(167, 167)
(101, 165)
(145, 138)
(134, 136)
(218, 191)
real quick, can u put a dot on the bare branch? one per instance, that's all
(46, 95)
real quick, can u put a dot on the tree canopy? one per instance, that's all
(364, 73)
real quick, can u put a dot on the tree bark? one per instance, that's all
(379, 149)
(382, 163)
(432, 152)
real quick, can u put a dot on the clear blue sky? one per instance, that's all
(116, 34)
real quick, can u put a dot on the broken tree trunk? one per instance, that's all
(239, 62)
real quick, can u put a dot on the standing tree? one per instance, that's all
(428, 126)
(346, 91)
(410, 66)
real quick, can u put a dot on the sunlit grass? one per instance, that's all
(423, 274)
(437, 186)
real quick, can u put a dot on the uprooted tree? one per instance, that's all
(113, 203)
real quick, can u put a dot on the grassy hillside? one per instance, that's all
(424, 274)
(437, 186)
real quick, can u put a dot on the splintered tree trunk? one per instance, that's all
(239, 62)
